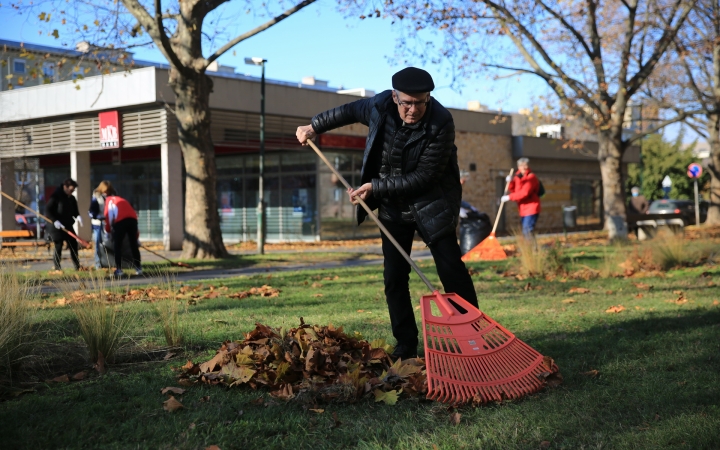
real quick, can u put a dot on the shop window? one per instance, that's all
(586, 195)
(19, 66)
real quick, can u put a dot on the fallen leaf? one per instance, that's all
(608, 292)
(191, 426)
(174, 390)
(578, 290)
(715, 302)
(171, 405)
(455, 418)
(61, 379)
(615, 309)
(169, 355)
(590, 373)
(569, 300)
(79, 376)
(317, 295)
(205, 399)
(638, 296)
(389, 398)
(643, 286)
(545, 444)
(334, 414)
(316, 285)
(315, 410)
(212, 447)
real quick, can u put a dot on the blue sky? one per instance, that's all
(320, 41)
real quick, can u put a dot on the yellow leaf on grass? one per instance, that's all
(390, 397)
(241, 374)
(171, 405)
(615, 309)
(319, 411)
(569, 300)
(455, 418)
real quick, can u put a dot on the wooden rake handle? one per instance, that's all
(497, 217)
(373, 216)
(82, 242)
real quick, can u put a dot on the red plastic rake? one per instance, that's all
(468, 356)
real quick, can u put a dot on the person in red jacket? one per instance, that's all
(121, 220)
(524, 188)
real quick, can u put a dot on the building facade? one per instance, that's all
(56, 129)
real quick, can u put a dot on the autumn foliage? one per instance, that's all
(311, 363)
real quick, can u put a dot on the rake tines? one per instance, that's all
(472, 357)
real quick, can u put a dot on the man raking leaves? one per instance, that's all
(469, 356)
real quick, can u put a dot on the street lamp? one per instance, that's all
(255, 61)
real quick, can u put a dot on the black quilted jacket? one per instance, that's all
(426, 175)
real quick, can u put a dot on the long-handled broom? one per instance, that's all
(468, 356)
(83, 243)
(489, 249)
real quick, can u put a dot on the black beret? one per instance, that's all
(412, 80)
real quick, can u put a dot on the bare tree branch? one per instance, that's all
(257, 30)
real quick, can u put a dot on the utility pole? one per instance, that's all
(255, 61)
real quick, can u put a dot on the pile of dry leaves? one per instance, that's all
(311, 363)
(154, 293)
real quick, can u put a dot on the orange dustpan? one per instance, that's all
(489, 249)
(468, 356)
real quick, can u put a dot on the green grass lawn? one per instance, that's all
(658, 363)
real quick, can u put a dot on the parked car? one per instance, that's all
(686, 208)
(29, 222)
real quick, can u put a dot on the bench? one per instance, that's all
(647, 226)
(9, 239)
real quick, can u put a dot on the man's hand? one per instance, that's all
(363, 192)
(508, 178)
(58, 225)
(304, 133)
(505, 198)
(79, 220)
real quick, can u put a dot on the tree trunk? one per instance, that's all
(713, 216)
(203, 238)
(610, 156)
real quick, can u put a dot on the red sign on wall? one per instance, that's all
(109, 129)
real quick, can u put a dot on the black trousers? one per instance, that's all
(126, 228)
(58, 238)
(452, 271)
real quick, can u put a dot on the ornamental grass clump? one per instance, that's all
(168, 310)
(16, 333)
(103, 326)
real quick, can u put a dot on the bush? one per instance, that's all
(16, 332)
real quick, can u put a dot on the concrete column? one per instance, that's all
(80, 172)
(7, 185)
(172, 196)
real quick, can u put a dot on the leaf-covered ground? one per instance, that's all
(640, 359)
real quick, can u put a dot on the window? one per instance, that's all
(48, 72)
(19, 66)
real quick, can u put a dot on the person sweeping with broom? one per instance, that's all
(410, 173)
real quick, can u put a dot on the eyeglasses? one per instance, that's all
(408, 105)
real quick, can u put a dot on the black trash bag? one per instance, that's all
(107, 252)
(473, 230)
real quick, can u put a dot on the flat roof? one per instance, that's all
(149, 86)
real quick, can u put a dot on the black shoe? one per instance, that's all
(404, 351)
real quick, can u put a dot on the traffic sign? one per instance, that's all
(694, 170)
